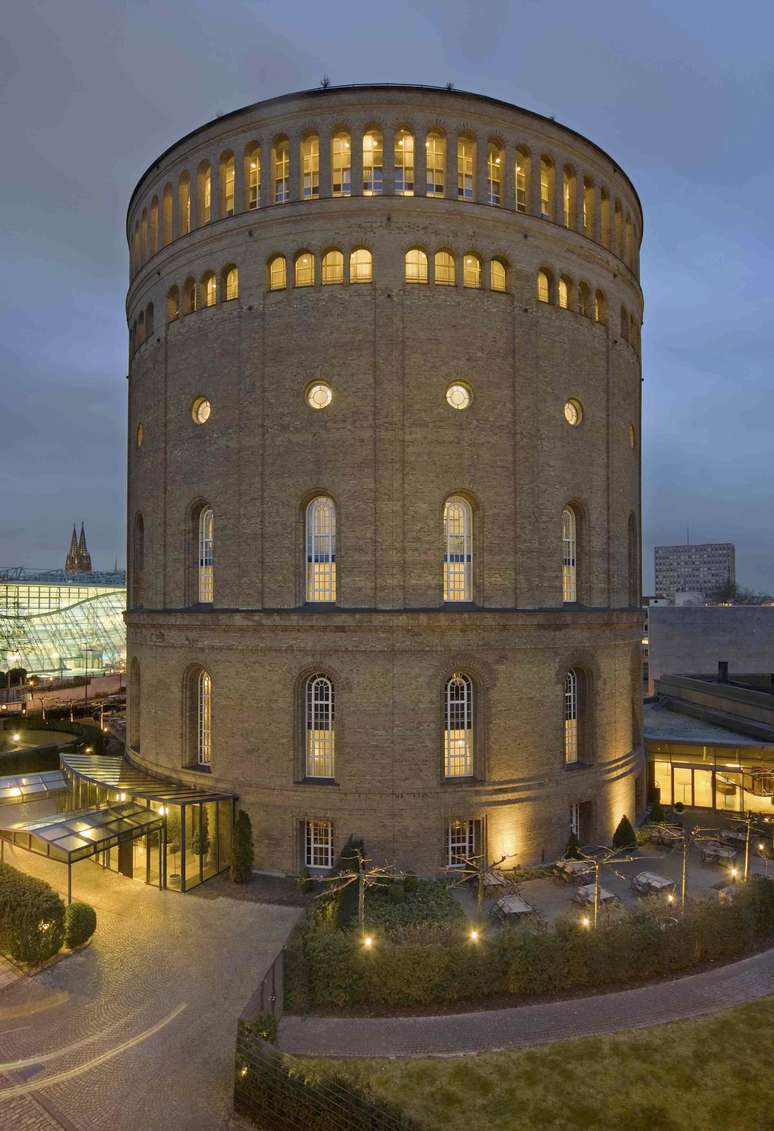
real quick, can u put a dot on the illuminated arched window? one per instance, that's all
(404, 163)
(458, 726)
(600, 307)
(494, 174)
(278, 273)
(154, 225)
(569, 556)
(204, 571)
(167, 233)
(458, 549)
(471, 270)
(361, 266)
(144, 235)
(332, 267)
(416, 266)
(588, 207)
(304, 269)
(435, 156)
(618, 230)
(280, 160)
(310, 165)
(568, 197)
(173, 304)
(522, 173)
(341, 165)
(604, 217)
(546, 188)
(498, 275)
(204, 193)
(466, 160)
(253, 175)
(230, 282)
(209, 288)
(373, 163)
(227, 183)
(320, 731)
(191, 296)
(571, 710)
(184, 204)
(584, 300)
(321, 549)
(544, 286)
(445, 273)
(565, 292)
(203, 718)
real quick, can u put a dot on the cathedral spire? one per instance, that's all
(71, 562)
(84, 557)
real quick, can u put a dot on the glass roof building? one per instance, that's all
(57, 623)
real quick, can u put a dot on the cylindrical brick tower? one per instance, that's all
(384, 476)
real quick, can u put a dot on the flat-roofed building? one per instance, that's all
(703, 568)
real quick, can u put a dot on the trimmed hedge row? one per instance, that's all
(441, 968)
(31, 917)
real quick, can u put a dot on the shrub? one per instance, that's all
(242, 853)
(396, 893)
(346, 903)
(657, 812)
(624, 836)
(31, 917)
(306, 882)
(431, 904)
(573, 844)
(80, 923)
(410, 882)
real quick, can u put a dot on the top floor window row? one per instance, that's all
(397, 162)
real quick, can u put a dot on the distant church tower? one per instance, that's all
(78, 557)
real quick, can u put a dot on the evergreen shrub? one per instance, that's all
(242, 853)
(624, 836)
(80, 923)
(31, 917)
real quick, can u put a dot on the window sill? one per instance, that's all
(467, 779)
(198, 768)
(316, 781)
(579, 765)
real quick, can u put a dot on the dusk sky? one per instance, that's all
(681, 94)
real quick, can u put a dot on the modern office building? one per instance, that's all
(699, 569)
(384, 476)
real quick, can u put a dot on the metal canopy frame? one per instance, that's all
(17, 788)
(119, 774)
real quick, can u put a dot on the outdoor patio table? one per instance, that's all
(647, 883)
(512, 905)
(669, 835)
(495, 880)
(576, 871)
(585, 895)
(714, 851)
(733, 836)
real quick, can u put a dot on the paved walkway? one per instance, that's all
(539, 1024)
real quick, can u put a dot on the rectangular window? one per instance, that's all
(341, 166)
(521, 182)
(465, 156)
(311, 157)
(228, 188)
(318, 844)
(282, 173)
(435, 148)
(545, 191)
(404, 163)
(461, 842)
(254, 181)
(373, 164)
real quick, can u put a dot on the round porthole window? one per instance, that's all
(459, 396)
(200, 410)
(573, 412)
(632, 436)
(319, 395)
(139, 435)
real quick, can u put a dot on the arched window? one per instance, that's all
(280, 160)
(633, 563)
(466, 160)
(604, 217)
(568, 197)
(321, 549)
(167, 233)
(629, 241)
(445, 274)
(230, 282)
(404, 163)
(544, 286)
(191, 298)
(458, 727)
(227, 183)
(209, 288)
(253, 175)
(204, 193)
(310, 164)
(565, 292)
(618, 231)
(173, 304)
(154, 226)
(304, 269)
(569, 556)
(332, 267)
(138, 562)
(278, 273)
(571, 712)
(184, 204)
(498, 275)
(588, 207)
(471, 270)
(361, 266)
(522, 173)
(435, 157)
(135, 703)
(203, 718)
(416, 266)
(584, 300)
(341, 165)
(494, 174)
(546, 188)
(205, 567)
(373, 163)
(144, 235)
(149, 320)
(600, 307)
(458, 549)
(320, 730)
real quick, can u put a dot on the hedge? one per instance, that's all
(438, 966)
(31, 917)
(80, 924)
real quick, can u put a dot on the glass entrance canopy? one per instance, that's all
(16, 788)
(198, 822)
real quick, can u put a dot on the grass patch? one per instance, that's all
(390, 910)
(687, 1076)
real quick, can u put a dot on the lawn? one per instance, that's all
(712, 1074)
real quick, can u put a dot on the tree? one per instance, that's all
(201, 837)
(732, 594)
(242, 852)
(573, 844)
(624, 836)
